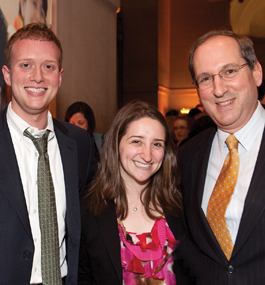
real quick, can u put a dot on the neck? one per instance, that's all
(35, 120)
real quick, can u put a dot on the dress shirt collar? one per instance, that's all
(247, 135)
(18, 125)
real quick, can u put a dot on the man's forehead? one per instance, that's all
(29, 43)
(217, 51)
(34, 49)
(218, 43)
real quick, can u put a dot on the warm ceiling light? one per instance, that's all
(184, 111)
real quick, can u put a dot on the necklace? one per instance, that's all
(134, 207)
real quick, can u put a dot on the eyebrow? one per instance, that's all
(225, 66)
(33, 59)
(160, 140)
(141, 137)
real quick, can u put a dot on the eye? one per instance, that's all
(158, 144)
(25, 65)
(231, 70)
(205, 79)
(49, 67)
(136, 142)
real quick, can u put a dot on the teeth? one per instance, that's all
(224, 103)
(35, 89)
(141, 164)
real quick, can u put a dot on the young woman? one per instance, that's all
(130, 222)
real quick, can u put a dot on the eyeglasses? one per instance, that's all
(229, 72)
(180, 128)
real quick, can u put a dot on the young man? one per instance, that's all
(225, 236)
(33, 69)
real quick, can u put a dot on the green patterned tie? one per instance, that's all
(50, 255)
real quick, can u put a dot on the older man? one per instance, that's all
(44, 165)
(223, 168)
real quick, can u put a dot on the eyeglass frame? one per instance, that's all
(212, 76)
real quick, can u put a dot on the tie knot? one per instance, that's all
(40, 143)
(231, 142)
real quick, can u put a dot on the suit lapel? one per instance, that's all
(108, 226)
(199, 164)
(68, 151)
(10, 181)
(255, 201)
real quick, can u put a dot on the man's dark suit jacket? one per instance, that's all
(200, 255)
(16, 242)
(100, 254)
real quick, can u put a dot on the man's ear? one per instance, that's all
(257, 73)
(6, 74)
(60, 76)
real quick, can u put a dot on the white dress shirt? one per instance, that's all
(27, 158)
(249, 138)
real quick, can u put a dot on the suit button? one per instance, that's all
(27, 255)
(230, 269)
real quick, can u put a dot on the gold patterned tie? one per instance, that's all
(221, 196)
(50, 255)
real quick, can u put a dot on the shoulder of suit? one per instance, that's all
(68, 128)
(197, 141)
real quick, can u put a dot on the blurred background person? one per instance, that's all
(171, 116)
(81, 115)
(200, 107)
(182, 127)
(133, 205)
(201, 124)
(194, 113)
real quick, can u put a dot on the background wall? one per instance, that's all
(140, 48)
(88, 32)
(157, 36)
(154, 38)
(180, 24)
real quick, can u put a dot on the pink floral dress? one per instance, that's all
(147, 258)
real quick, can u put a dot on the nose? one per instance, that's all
(219, 86)
(37, 75)
(179, 130)
(146, 154)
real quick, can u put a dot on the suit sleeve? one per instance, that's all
(181, 269)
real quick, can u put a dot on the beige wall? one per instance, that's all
(140, 63)
(180, 24)
(87, 30)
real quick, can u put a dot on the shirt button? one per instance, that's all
(35, 240)
(36, 153)
(32, 131)
(35, 269)
(230, 269)
(35, 211)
